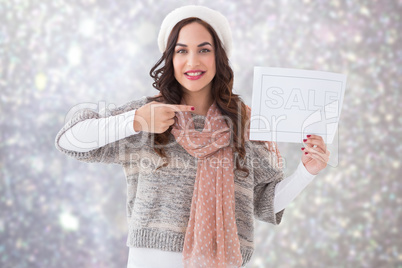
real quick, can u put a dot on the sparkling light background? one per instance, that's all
(58, 212)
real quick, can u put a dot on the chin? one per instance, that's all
(194, 88)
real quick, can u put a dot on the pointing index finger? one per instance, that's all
(181, 107)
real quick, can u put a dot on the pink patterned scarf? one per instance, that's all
(211, 238)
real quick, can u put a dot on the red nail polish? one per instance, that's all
(308, 136)
(192, 108)
(304, 140)
(302, 149)
(306, 153)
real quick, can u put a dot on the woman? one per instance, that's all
(195, 182)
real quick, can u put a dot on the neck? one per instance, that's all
(200, 101)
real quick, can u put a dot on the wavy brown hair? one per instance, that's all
(230, 105)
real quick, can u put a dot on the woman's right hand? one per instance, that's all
(156, 117)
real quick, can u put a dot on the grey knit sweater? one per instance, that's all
(159, 198)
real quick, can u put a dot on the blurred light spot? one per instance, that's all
(376, 198)
(131, 48)
(74, 55)
(68, 221)
(396, 164)
(364, 11)
(320, 60)
(9, 202)
(145, 33)
(37, 164)
(358, 38)
(18, 243)
(335, 3)
(350, 56)
(87, 27)
(40, 81)
(357, 234)
(258, 261)
(391, 36)
(374, 119)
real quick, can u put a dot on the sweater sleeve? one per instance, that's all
(267, 174)
(107, 147)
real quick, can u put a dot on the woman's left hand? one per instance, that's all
(315, 155)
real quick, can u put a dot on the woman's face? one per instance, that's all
(194, 58)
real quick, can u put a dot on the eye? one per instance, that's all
(181, 51)
(205, 50)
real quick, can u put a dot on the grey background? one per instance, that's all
(58, 212)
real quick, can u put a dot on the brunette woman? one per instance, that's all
(195, 182)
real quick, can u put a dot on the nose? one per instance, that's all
(193, 59)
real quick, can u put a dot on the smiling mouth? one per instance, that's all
(194, 73)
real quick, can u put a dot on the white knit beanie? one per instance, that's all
(212, 17)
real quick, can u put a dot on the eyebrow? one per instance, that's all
(200, 45)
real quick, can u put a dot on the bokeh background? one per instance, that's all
(58, 212)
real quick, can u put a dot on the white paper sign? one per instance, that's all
(288, 104)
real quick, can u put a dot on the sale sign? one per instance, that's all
(288, 104)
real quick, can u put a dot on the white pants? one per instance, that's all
(153, 258)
